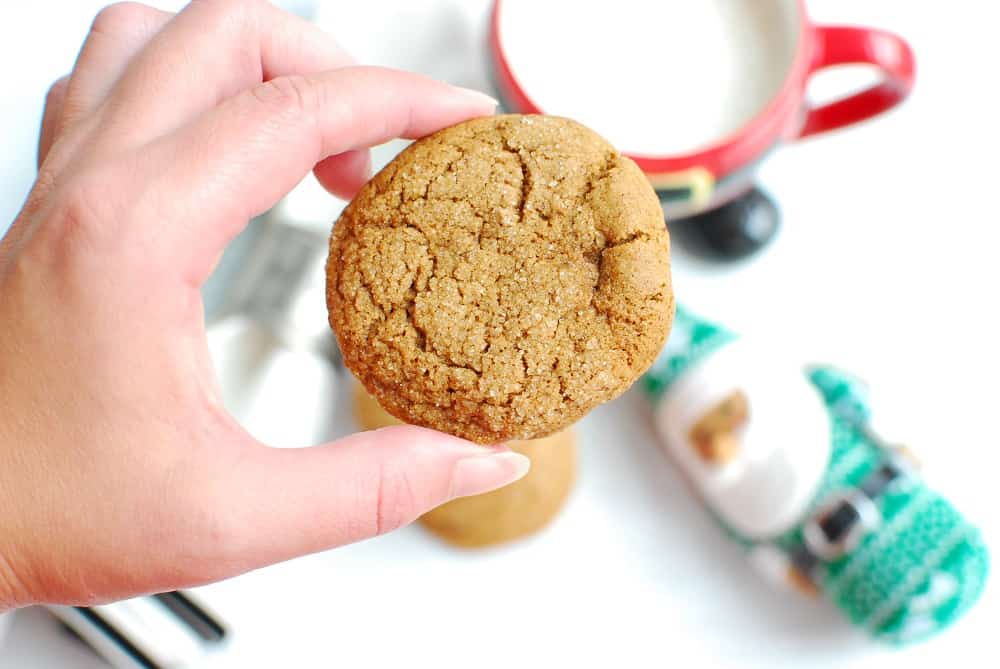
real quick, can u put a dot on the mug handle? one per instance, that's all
(848, 45)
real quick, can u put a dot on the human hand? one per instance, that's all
(121, 473)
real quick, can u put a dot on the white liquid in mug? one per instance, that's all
(656, 78)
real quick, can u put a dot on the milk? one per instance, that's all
(659, 78)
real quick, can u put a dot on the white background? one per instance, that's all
(887, 264)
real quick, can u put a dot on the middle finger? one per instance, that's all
(118, 33)
(212, 50)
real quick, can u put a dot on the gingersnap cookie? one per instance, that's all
(512, 512)
(516, 510)
(501, 278)
(367, 412)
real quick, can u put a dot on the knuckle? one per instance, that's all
(229, 9)
(75, 206)
(119, 17)
(397, 503)
(231, 5)
(56, 90)
(291, 96)
(81, 214)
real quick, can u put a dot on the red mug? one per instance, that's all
(601, 63)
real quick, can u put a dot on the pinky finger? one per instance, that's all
(50, 117)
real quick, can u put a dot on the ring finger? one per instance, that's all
(118, 33)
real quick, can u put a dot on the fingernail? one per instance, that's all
(476, 97)
(481, 473)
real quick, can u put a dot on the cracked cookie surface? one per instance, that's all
(501, 278)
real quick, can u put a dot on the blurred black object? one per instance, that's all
(732, 231)
(173, 629)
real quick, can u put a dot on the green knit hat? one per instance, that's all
(923, 564)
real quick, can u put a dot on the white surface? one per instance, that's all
(280, 396)
(727, 58)
(887, 265)
(783, 449)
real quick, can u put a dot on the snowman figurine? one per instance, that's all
(784, 457)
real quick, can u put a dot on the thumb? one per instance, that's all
(291, 502)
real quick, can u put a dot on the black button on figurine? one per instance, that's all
(880, 480)
(733, 231)
(838, 523)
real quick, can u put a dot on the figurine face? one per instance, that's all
(717, 435)
(751, 433)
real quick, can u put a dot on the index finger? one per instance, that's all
(241, 158)
(210, 51)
